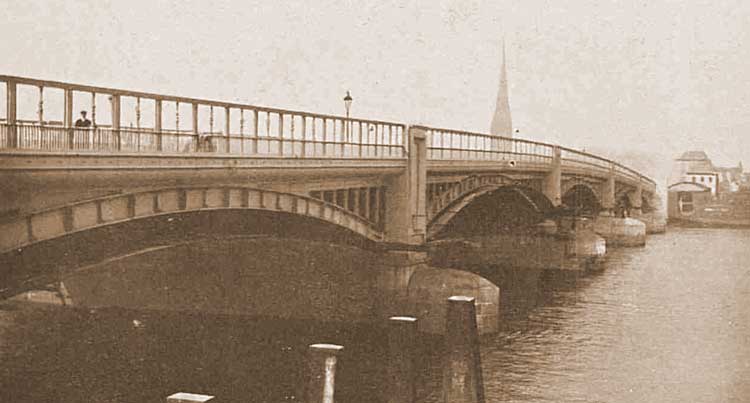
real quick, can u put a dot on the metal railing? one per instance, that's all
(267, 132)
(460, 145)
(260, 131)
(446, 144)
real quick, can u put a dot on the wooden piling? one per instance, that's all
(321, 373)
(402, 334)
(462, 369)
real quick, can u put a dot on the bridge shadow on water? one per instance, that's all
(198, 317)
(227, 315)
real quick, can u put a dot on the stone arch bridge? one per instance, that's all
(388, 185)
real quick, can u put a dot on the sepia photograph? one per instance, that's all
(375, 201)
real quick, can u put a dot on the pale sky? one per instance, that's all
(656, 76)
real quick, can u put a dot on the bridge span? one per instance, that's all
(391, 186)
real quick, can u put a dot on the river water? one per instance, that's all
(669, 322)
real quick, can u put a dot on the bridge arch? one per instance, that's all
(88, 232)
(582, 198)
(454, 200)
(86, 215)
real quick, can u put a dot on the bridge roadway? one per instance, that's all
(394, 185)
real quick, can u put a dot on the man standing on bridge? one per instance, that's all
(82, 121)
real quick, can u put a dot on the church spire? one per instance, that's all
(502, 124)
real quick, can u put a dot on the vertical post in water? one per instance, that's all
(321, 373)
(10, 113)
(462, 369)
(401, 386)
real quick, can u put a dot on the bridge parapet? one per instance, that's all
(217, 127)
(226, 128)
(454, 145)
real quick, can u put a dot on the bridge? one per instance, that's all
(380, 185)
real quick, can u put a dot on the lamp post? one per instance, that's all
(348, 105)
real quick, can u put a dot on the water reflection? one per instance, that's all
(667, 323)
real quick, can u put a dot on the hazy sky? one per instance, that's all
(657, 76)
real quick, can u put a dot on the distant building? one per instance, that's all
(695, 167)
(700, 192)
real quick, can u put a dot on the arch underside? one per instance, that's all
(624, 200)
(440, 220)
(582, 199)
(45, 261)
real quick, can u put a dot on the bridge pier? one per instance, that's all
(608, 198)
(552, 183)
(407, 285)
(656, 222)
(619, 231)
(406, 220)
(574, 247)
(636, 201)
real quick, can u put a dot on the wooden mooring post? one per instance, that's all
(462, 369)
(402, 336)
(321, 373)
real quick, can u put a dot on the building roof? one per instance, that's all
(688, 187)
(694, 156)
(695, 162)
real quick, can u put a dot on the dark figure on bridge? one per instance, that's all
(82, 121)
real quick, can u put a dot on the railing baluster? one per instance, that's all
(281, 134)
(242, 131)
(196, 137)
(254, 143)
(314, 138)
(291, 135)
(227, 129)
(268, 132)
(157, 124)
(325, 135)
(343, 140)
(360, 139)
